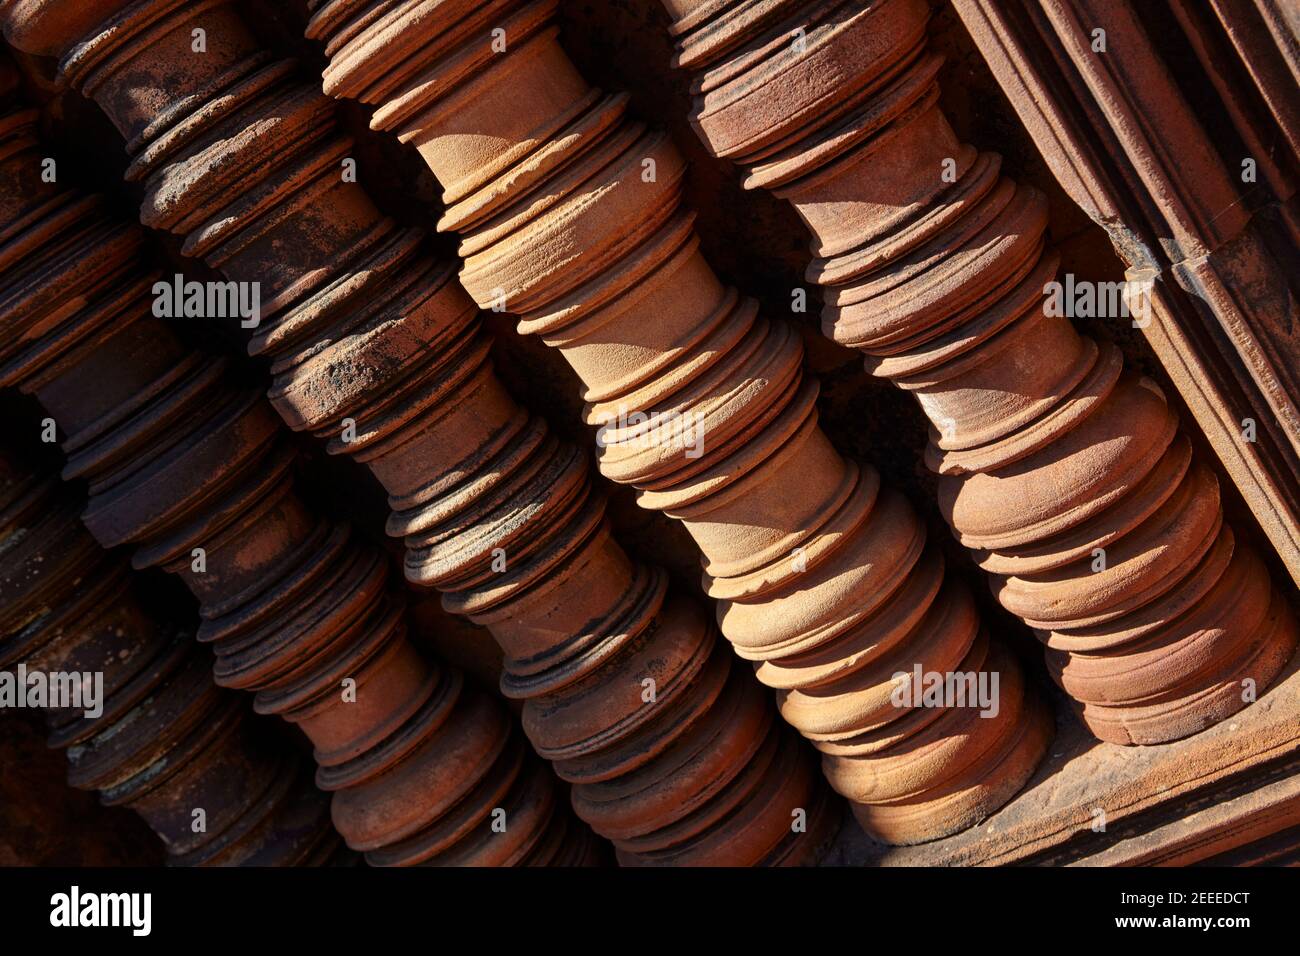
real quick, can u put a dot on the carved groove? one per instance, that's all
(364, 329)
(1047, 447)
(823, 579)
(168, 741)
(175, 458)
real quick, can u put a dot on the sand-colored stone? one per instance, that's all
(369, 335)
(176, 458)
(1068, 477)
(570, 217)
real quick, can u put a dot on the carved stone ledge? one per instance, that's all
(1211, 217)
(1067, 477)
(1226, 796)
(176, 460)
(570, 217)
(369, 336)
(168, 741)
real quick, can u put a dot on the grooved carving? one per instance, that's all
(176, 458)
(367, 333)
(168, 741)
(1172, 179)
(570, 216)
(1049, 450)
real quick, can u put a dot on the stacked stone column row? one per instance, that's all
(1066, 475)
(195, 474)
(170, 745)
(675, 754)
(570, 217)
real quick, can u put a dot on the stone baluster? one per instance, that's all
(167, 743)
(571, 218)
(1065, 474)
(674, 753)
(195, 473)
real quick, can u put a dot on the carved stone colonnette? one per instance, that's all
(369, 336)
(1067, 476)
(571, 217)
(1196, 190)
(196, 474)
(168, 741)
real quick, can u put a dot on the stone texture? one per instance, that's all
(1183, 142)
(177, 458)
(1223, 796)
(44, 822)
(1047, 448)
(367, 332)
(168, 741)
(570, 218)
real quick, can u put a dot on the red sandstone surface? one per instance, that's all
(824, 561)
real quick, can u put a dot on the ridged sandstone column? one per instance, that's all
(196, 475)
(571, 219)
(674, 752)
(1066, 475)
(168, 742)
